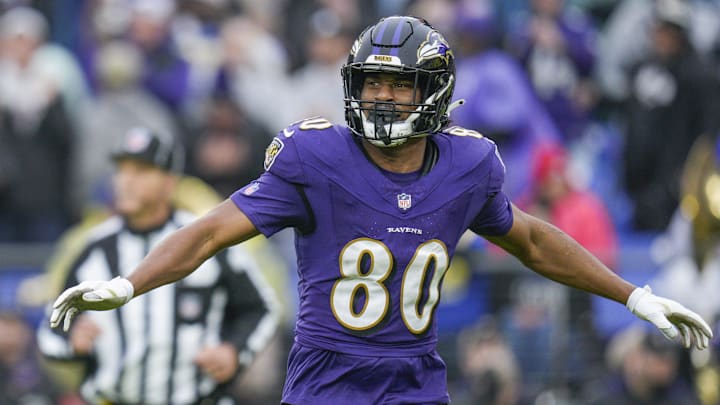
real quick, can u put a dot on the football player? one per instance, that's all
(378, 207)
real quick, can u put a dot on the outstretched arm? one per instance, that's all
(174, 258)
(187, 248)
(553, 254)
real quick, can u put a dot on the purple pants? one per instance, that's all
(321, 377)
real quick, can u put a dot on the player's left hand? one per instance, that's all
(93, 295)
(670, 317)
(219, 362)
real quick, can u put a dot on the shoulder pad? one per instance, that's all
(470, 143)
(473, 151)
(285, 155)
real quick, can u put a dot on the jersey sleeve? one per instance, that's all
(272, 204)
(282, 157)
(277, 199)
(495, 218)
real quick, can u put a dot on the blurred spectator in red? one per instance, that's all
(35, 134)
(556, 44)
(227, 151)
(579, 213)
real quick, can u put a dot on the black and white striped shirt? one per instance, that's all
(144, 354)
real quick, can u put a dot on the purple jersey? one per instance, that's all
(371, 253)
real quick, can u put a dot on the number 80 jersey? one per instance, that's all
(372, 249)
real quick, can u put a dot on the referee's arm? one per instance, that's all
(251, 313)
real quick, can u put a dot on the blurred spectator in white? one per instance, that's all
(121, 103)
(645, 369)
(673, 100)
(228, 149)
(626, 38)
(490, 373)
(254, 60)
(265, 13)
(46, 58)
(35, 133)
(327, 45)
(440, 13)
(556, 44)
(499, 100)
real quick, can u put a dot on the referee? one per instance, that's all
(179, 344)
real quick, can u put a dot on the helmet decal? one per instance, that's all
(435, 46)
(387, 59)
(355, 47)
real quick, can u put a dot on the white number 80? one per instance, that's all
(377, 297)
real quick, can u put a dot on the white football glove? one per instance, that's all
(670, 317)
(94, 295)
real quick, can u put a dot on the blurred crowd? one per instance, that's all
(606, 113)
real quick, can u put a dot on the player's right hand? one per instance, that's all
(90, 295)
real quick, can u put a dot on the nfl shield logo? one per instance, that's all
(251, 188)
(404, 201)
